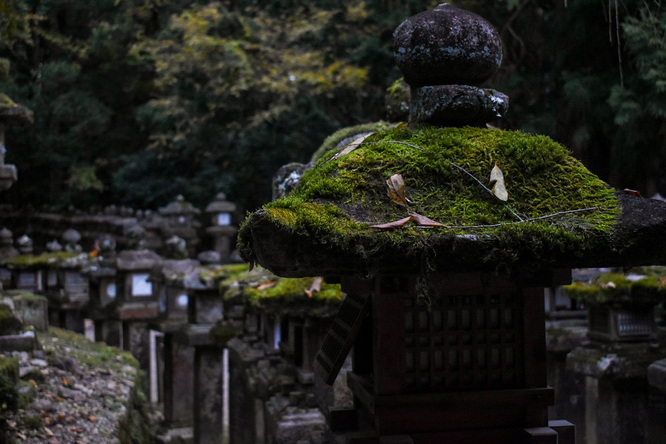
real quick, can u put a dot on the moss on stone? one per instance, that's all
(337, 200)
(293, 295)
(9, 378)
(340, 135)
(9, 323)
(54, 259)
(222, 333)
(645, 285)
(92, 353)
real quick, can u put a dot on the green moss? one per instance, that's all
(334, 139)
(293, 295)
(222, 333)
(92, 353)
(228, 271)
(339, 199)
(48, 259)
(26, 296)
(646, 285)
(9, 323)
(239, 278)
(9, 376)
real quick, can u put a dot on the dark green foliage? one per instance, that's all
(137, 101)
(9, 396)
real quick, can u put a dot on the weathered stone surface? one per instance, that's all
(656, 375)
(457, 105)
(137, 259)
(445, 46)
(287, 177)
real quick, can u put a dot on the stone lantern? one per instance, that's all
(221, 229)
(178, 359)
(103, 293)
(26, 269)
(444, 269)
(180, 220)
(137, 302)
(7, 251)
(10, 114)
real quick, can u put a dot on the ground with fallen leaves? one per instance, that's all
(73, 391)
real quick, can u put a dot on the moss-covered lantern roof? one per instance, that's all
(558, 214)
(642, 285)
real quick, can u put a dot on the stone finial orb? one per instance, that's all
(444, 54)
(447, 46)
(5, 237)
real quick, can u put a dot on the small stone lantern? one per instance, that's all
(7, 251)
(221, 230)
(137, 301)
(444, 277)
(180, 220)
(103, 292)
(27, 270)
(621, 306)
(10, 114)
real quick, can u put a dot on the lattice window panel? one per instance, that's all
(635, 324)
(464, 342)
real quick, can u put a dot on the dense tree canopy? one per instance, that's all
(137, 101)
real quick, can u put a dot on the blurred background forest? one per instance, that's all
(137, 101)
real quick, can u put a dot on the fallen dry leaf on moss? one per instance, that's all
(499, 189)
(352, 146)
(396, 189)
(316, 286)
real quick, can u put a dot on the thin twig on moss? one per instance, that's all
(531, 219)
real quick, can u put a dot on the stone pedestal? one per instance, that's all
(178, 382)
(136, 340)
(561, 338)
(109, 331)
(208, 381)
(243, 415)
(656, 375)
(616, 390)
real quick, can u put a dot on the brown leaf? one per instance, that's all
(267, 284)
(316, 286)
(394, 224)
(396, 189)
(633, 192)
(425, 221)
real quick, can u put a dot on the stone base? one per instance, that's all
(176, 436)
(557, 432)
(24, 342)
(456, 105)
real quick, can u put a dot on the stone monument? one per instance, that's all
(444, 236)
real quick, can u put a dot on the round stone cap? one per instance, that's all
(5, 236)
(70, 236)
(209, 257)
(446, 46)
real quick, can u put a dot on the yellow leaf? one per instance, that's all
(396, 189)
(352, 146)
(499, 189)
